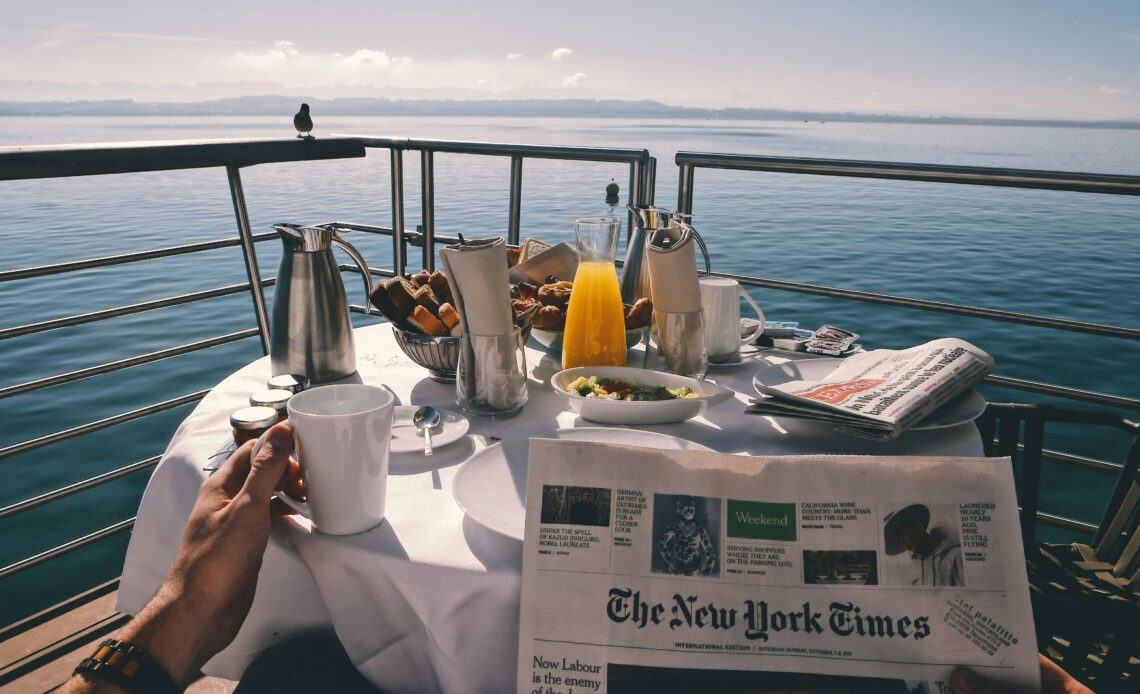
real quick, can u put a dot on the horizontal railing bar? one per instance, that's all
(974, 175)
(940, 307)
(1080, 461)
(366, 310)
(18, 163)
(1064, 392)
(1066, 523)
(414, 238)
(66, 547)
(69, 321)
(1070, 460)
(107, 261)
(79, 486)
(113, 366)
(42, 441)
(499, 149)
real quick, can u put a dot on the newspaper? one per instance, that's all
(882, 393)
(678, 571)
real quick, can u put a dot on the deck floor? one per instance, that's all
(40, 657)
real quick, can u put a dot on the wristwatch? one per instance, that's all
(129, 667)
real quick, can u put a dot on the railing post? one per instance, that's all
(685, 189)
(398, 260)
(636, 177)
(250, 254)
(427, 208)
(516, 200)
(650, 186)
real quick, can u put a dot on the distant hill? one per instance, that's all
(515, 108)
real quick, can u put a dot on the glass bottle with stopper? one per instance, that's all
(595, 319)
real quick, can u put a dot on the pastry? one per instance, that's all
(530, 248)
(400, 293)
(380, 299)
(449, 316)
(528, 290)
(438, 284)
(513, 255)
(639, 314)
(555, 294)
(420, 278)
(425, 297)
(550, 318)
(422, 320)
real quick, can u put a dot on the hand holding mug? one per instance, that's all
(342, 435)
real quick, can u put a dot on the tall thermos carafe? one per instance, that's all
(310, 329)
(647, 220)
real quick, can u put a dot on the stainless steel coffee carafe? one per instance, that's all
(647, 222)
(310, 330)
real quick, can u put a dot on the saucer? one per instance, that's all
(407, 439)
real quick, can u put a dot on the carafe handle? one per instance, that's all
(680, 219)
(359, 260)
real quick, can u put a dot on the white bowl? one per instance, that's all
(640, 412)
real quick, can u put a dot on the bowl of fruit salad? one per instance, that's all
(626, 395)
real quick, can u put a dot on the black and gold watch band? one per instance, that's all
(129, 667)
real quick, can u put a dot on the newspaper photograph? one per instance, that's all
(649, 570)
(881, 393)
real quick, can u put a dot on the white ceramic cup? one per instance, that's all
(720, 301)
(342, 433)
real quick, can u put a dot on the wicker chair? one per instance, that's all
(1086, 598)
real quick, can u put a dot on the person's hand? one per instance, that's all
(208, 592)
(1054, 680)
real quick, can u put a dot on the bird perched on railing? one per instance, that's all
(303, 122)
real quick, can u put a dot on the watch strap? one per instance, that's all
(129, 667)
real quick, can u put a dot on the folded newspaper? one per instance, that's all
(684, 571)
(877, 394)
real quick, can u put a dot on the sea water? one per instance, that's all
(1051, 253)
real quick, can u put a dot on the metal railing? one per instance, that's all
(50, 162)
(689, 162)
(23, 163)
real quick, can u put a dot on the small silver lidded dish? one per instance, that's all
(294, 383)
(276, 399)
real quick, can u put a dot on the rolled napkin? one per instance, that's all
(477, 272)
(676, 295)
(489, 379)
(673, 271)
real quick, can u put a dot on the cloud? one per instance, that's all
(1112, 91)
(64, 33)
(559, 53)
(73, 31)
(1069, 79)
(574, 80)
(514, 56)
(282, 51)
(285, 61)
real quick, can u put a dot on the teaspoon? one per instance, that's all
(426, 418)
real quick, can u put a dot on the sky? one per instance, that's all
(1011, 58)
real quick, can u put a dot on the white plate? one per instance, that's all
(965, 408)
(491, 486)
(650, 412)
(407, 439)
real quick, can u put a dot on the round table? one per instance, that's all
(428, 600)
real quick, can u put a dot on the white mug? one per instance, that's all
(341, 434)
(720, 301)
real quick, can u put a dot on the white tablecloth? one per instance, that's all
(428, 600)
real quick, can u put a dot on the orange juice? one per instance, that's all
(595, 318)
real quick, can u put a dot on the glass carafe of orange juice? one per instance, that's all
(595, 318)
